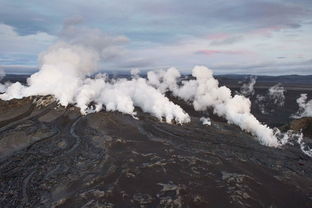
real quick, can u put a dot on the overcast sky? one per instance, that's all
(229, 36)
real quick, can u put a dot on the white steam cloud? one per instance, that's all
(274, 97)
(204, 92)
(122, 95)
(62, 70)
(276, 94)
(247, 89)
(64, 74)
(305, 107)
(205, 121)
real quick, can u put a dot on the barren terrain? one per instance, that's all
(51, 156)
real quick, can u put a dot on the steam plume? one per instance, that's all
(275, 96)
(64, 74)
(204, 92)
(205, 121)
(305, 107)
(2, 86)
(247, 89)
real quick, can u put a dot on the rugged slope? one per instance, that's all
(54, 157)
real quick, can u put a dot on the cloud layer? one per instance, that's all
(232, 37)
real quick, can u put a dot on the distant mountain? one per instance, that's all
(285, 79)
(15, 78)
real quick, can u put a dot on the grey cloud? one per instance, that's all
(250, 14)
(169, 17)
(265, 14)
(26, 19)
(109, 47)
(153, 22)
(227, 41)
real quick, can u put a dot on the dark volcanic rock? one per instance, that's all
(58, 158)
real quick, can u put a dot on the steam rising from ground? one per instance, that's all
(64, 74)
(204, 92)
(2, 86)
(275, 96)
(205, 121)
(247, 89)
(122, 95)
(66, 69)
(305, 107)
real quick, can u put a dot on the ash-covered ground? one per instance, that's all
(51, 156)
